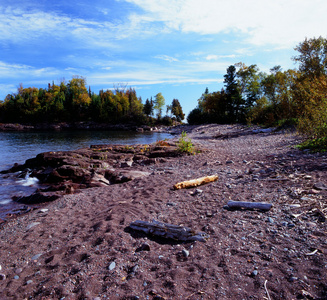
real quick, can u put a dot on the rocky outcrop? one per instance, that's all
(65, 172)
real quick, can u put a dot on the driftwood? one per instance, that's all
(249, 205)
(169, 231)
(195, 182)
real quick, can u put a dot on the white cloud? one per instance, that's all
(277, 22)
(166, 57)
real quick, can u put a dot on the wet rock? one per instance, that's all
(38, 197)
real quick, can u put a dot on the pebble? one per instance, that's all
(2, 276)
(185, 253)
(16, 277)
(290, 225)
(19, 270)
(229, 162)
(254, 273)
(112, 266)
(270, 220)
(32, 225)
(143, 247)
(29, 281)
(37, 256)
(43, 210)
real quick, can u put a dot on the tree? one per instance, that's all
(235, 103)
(312, 57)
(177, 110)
(159, 103)
(148, 108)
(310, 87)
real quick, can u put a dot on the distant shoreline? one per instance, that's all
(78, 126)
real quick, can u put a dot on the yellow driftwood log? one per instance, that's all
(195, 182)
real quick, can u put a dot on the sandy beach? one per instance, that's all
(81, 247)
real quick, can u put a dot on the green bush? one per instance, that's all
(185, 145)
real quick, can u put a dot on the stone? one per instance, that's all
(37, 256)
(112, 266)
(143, 247)
(29, 282)
(254, 273)
(2, 276)
(185, 253)
(270, 220)
(32, 225)
(126, 164)
(320, 186)
(16, 277)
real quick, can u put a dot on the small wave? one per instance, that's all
(5, 201)
(28, 181)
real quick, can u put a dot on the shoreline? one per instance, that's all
(80, 246)
(65, 126)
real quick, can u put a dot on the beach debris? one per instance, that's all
(249, 205)
(169, 231)
(312, 253)
(195, 182)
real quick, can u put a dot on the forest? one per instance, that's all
(73, 102)
(294, 97)
(281, 98)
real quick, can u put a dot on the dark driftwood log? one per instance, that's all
(249, 205)
(195, 182)
(169, 231)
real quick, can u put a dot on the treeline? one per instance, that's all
(297, 97)
(73, 102)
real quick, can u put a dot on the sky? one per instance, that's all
(173, 47)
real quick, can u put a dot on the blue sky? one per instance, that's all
(175, 47)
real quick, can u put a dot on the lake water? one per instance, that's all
(16, 147)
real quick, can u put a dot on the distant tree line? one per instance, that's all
(297, 97)
(73, 102)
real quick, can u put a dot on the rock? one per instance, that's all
(270, 220)
(112, 266)
(254, 273)
(32, 225)
(126, 164)
(29, 282)
(320, 186)
(2, 276)
(38, 197)
(185, 253)
(229, 162)
(196, 192)
(18, 270)
(16, 277)
(143, 247)
(36, 257)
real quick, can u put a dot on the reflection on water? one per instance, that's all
(16, 147)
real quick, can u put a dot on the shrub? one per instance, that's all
(185, 145)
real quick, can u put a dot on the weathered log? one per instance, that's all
(195, 182)
(169, 231)
(249, 205)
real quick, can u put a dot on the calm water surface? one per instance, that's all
(16, 147)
